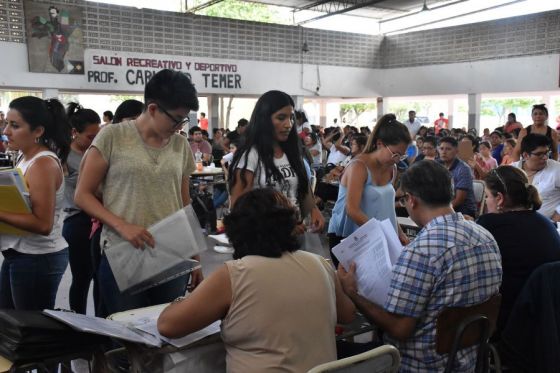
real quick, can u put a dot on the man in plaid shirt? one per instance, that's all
(451, 263)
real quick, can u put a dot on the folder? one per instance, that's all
(13, 192)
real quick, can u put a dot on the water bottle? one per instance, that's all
(198, 160)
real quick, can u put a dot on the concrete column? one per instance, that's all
(323, 113)
(298, 102)
(213, 114)
(380, 107)
(50, 93)
(450, 111)
(474, 111)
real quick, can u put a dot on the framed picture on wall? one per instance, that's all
(55, 42)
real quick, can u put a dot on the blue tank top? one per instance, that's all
(377, 202)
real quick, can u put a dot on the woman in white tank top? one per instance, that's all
(34, 263)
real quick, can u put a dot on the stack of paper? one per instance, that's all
(375, 248)
(14, 198)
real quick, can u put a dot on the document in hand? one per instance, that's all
(177, 238)
(374, 247)
(109, 328)
(13, 198)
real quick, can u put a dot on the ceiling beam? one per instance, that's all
(338, 7)
(207, 4)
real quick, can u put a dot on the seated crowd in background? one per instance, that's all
(75, 174)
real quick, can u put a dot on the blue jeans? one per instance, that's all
(115, 301)
(76, 230)
(30, 282)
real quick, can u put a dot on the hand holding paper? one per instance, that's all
(374, 247)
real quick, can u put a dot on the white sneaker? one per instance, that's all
(223, 249)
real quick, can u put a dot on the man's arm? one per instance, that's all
(397, 326)
(460, 196)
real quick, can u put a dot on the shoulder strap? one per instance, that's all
(528, 129)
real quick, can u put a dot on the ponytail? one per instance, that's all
(80, 118)
(533, 198)
(389, 131)
(57, 135)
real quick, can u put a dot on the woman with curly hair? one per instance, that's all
(269, 320)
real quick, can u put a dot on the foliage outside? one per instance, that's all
(235, 9)
(502, 107)
(353, 111)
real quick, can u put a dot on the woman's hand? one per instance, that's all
(317, 220)
(195, 280)
(299, 229)
(403, 238)
(137, 236)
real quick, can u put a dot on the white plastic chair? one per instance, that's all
(478, 188)
(383, 359)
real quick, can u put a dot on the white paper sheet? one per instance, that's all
(177, 239)
(150, 326)
(367, 247)
(394, 244)
(104, 327)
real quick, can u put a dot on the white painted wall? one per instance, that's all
(524, 74)
(257, 77)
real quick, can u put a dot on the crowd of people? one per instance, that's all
(94, 184)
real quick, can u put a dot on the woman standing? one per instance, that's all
(77, 224)
(539, 114)
(271, 157)
(143, 168)
(526, 238)
(366, 190)
(34, 264)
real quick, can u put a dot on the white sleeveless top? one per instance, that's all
(35, 243)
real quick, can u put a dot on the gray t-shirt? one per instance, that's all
(142, 184)
(73, 168)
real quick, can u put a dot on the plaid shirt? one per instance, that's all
(452, 262)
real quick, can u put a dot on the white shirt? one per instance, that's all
(303, 125)
(335, 156)
(547, 182)
(413, 127)
(288, 186)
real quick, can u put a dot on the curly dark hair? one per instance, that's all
(262, 223)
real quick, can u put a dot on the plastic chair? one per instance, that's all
(462, 327)
(384, 359)
(478, 188)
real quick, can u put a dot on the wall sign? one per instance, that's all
(125, 70)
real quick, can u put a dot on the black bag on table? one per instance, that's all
(30, 336)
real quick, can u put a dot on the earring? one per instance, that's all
(37, 140)
(499, 208)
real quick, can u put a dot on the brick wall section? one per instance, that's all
(119, 28)
(534, 34)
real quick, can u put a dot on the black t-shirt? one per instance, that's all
(527, 240)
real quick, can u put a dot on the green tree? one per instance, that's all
(501, 107)
(400, 110)
(357, 109)
(236, 9)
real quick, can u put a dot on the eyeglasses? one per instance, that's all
(396, 155)
(401, 201)
(178, 122)
(500, 179)
(541, 154)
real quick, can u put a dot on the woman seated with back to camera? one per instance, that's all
(526, 238)
(278, 305)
